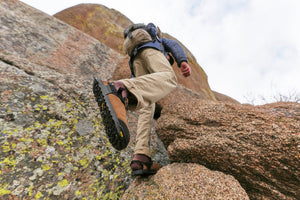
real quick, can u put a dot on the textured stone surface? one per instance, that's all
(259, 146)
(186, 181)
(52, 142)
(102, 23)
(43, 152)
(63, 55)
(224, 98)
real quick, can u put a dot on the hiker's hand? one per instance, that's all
(185, 69)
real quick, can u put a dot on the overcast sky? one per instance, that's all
(248, 48)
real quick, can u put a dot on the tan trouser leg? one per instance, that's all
(155, 79)
(142, 145)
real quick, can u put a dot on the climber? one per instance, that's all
(152, 79)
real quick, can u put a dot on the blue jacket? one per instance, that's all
(165, 46)
(177, 51)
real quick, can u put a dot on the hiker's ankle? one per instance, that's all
(120, 86)
(141, 157)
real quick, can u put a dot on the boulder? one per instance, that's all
(52, 142)
(258, 145)
(224, 98)
(100, 22)
(186, 181)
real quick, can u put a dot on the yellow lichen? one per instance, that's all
(44, 97)
(63, 183)
(37, 124)
(10, 162)
(84, 163)
(30, 191)
(28, 129)
(60, 143)
(42, 142)
(6, 147)
(46, 167)
(26, 140)
(3, 191)
(38, 195)
(78, 193)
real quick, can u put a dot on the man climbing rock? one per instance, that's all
(152, 79)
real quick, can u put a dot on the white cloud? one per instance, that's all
(248, 47)
(244, 46)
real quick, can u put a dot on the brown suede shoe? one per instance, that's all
(142, 165)
(111, 100)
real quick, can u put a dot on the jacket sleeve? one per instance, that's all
(176, 50)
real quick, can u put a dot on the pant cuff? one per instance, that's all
(143, 151)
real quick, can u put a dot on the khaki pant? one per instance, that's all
(154, 79)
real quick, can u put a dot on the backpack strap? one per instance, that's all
(132, 56)
(157, 44)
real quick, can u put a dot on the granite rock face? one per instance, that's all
(186, 181)
(258, 145)
(52, 142)
(102, 23)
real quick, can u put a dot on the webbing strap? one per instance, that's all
(156, 44)
(107, 90)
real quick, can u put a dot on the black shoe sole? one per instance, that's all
(141, 172)
(116, 130)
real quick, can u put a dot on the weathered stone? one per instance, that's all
(258, 145)
(84, 127)
(102, 23)
(224, 98)
(54, 51)
(46, 74)
(186, 181)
